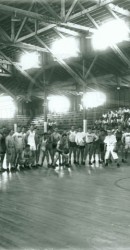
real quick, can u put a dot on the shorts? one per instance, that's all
(32, 147)
(80, 147)
(72, 144)
(49, 146)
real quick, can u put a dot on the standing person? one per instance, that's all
(49, 145)
(119, 134)
(43, 150)
(55, 138)
(31, 139)
(2, 147)
(19, 140)
(126, 142)
(10, 150)
(80, 142)
(110, 144)
(72, 144)
(89, 139)
(102, 135)
(96, 146)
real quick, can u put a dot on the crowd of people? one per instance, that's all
(28, 149)
(113, 118)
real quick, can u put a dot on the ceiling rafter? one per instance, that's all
(7, 91)
(88, 10)
(119, 10)
(5, 69)
(49, 8)
(77, 27)
(71, 9)
(91, 66)
(9, 9)
(68, 31)
(61, 62)
(24, 73)
(62, 10)
(115, 48)
(23, 23)
(29, 46)
(40, 31)
(6, 36)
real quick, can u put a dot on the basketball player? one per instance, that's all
(10, 150)
(110, 144)
(80, 142)
(43, 150)
(19, 140)
(126, 142)
(55, 137)
(31, 140)
(89, 139)
(62, 149)
(72, 144)
(2, 147)
(119, 135)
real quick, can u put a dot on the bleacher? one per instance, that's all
(65, 121)
(23, 120)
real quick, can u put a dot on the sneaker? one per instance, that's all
(90, 163)
(100, 162)
(124, 161)
(94, 161)
(12, 170)
(106, 164)
(7, 170)
(83, 163)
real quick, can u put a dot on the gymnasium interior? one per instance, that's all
(65, 63)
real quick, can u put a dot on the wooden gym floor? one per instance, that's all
(40, 210)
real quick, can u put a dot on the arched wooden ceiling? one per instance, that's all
(34, 25)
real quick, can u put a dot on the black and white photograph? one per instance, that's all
(64, 124)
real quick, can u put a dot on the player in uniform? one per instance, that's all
(10, 150)
(62, 149)
(126, 142)
(110, 144)
(72, 144)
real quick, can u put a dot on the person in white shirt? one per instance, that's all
(110, 144)
(126, 142)
(80, 142)
(31, 138)
(72, 144)
(89, 139)
(43, 150)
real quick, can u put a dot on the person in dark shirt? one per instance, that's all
(119, 144)
(2, 147)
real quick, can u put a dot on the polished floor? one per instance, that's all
(42, 210)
